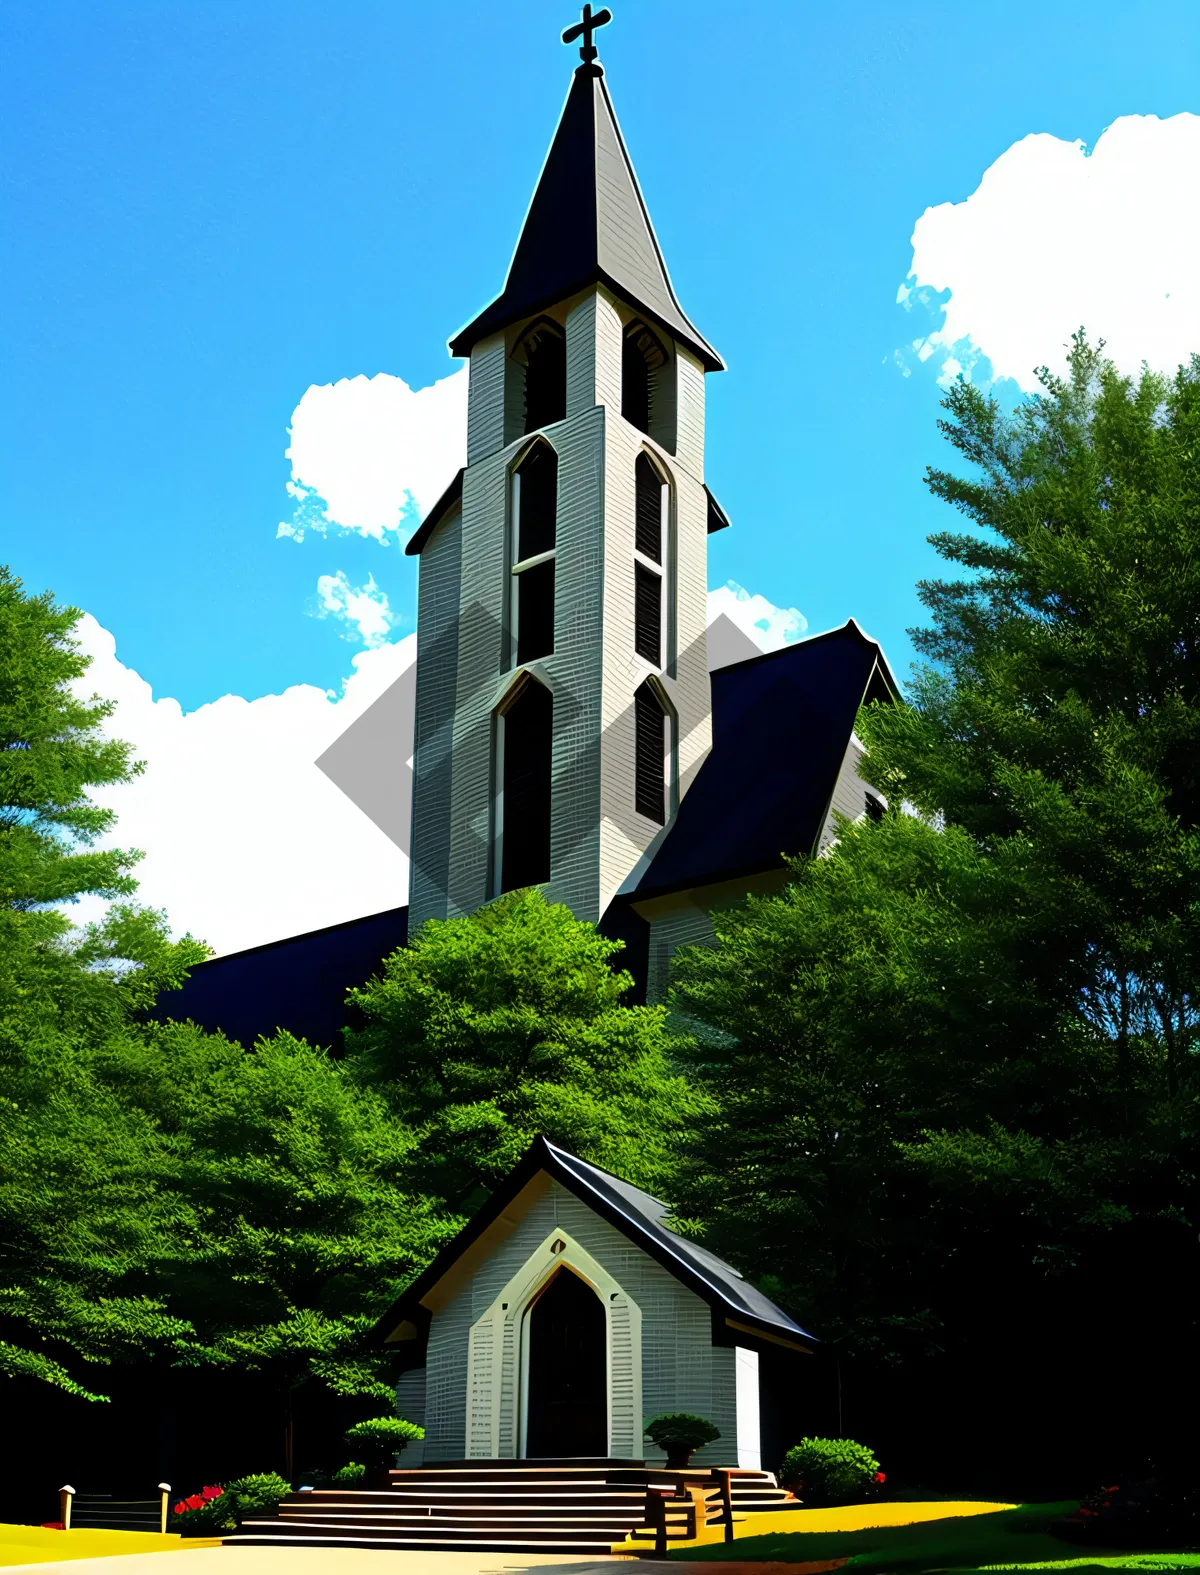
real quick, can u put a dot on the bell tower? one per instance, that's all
(562, 706)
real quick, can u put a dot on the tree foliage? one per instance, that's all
(488, 1030)
(961, 1049)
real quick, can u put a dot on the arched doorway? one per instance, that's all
(567, 1383)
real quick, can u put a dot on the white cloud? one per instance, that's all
(246, 840)
(770, 627)
(364, 606)
(1056, 238)
(371, 454)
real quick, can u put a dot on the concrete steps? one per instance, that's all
(518, 1507)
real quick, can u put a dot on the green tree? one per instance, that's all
(487, 1030)
(80, 1215)
(296, 1230)
(1060, 702)
(960, 1050)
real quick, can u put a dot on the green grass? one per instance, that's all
(1095, 1566)
(1010, 1539)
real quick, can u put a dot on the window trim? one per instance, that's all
(665, 568)
(655, 685)
(516, 689)
(517, 566)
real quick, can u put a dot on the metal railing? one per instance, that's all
(103, 1512)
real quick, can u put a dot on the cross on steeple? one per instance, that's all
(585, 29)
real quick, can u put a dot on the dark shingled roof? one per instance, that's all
(781, 725)
(636, 1215)
(298, 984)
(587, 224)
(449, 499)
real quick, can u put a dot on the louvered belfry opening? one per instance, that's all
(527, 741)
(641, 356)
(649, 540)
(535, 508)
(649, 506)
(650, 777)
(647, 613)
(543, 349)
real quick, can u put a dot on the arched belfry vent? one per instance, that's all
(526, 727)
(650, 761)
(542, 351)
(642, 355)
(587, 224)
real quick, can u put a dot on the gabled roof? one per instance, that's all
(636, 1215)
(587, 224)
(298, 984)
(781, 725)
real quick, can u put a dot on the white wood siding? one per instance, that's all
(681, 1369)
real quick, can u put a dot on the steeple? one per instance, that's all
(563, 707)
(587, 224)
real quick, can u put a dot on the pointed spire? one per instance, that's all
(587, 224)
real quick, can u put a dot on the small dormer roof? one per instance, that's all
(587, 224)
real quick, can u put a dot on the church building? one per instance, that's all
(565, 1313)
(578, 726)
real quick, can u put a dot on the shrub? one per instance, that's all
(679, 1433)
(352, 1475)
(203, 1513)
(830, 1470)
(381, 1437)
(1146, 1511)
(257, 1495)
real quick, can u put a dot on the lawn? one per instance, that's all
(1003, 1539)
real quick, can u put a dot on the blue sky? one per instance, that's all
(210, 208)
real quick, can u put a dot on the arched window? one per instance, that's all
(525, 741)
(650, 755)
(641, 356)
(534, 530)
(650, 558)
(542, 350)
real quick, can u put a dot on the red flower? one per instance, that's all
(179, 1508)
(213, 1492)
(195, 1502)
(881, 1476)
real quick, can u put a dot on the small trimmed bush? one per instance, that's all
(350, 1476)
(680, 1433)
(383, 1435)
(824, 1471)
(257, 1495)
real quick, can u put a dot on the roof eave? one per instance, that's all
(542, 1155)
(451, 496)
(502, 314)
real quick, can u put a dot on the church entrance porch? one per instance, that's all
(566, 1401)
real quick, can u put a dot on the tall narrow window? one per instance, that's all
(543, 350)
(641, 357)
(650, 748)
(650, 540)
(534, 529)
(526, 745)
